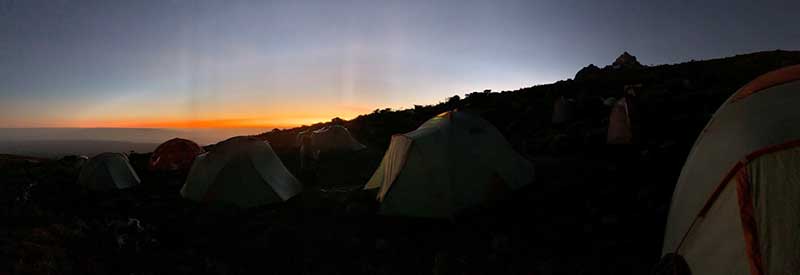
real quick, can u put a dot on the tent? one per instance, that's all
(453, 161)
(735, 207)
(334, 138)
(243, 171)
(74, 161)
(619, 123)
(301, 135)
(107, 171)
(176, 154)
(623, 122)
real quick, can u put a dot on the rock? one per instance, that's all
(626, 60)
(588, 72)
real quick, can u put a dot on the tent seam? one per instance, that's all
(749, 226)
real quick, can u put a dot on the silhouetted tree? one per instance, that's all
(453, 100)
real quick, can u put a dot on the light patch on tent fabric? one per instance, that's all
(396, 158)
(435, 120)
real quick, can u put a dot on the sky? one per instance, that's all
(203, 63)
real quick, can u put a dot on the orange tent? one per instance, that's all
(174, 154)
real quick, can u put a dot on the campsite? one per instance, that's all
(573, 177)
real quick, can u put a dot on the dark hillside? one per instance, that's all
(677, 101)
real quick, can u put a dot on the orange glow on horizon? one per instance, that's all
(283, 118)
(203, 123)
(286, 121)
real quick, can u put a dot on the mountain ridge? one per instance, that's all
(702, 85)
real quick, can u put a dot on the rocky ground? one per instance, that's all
(561, 226)
(594, 208)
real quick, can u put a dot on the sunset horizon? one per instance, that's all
(389, 137)
(282, 63)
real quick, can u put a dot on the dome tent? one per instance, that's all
(176, 154)
(107, 171)
(619, 123)
(734, 209)
(74, 161)
(301, 135)
(452, 161)
(334, 138)
(243, 171)
(623, 123)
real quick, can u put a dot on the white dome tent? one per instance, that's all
(619, 123)
(454, 160)
(735, 207)
(107, 171)
(243, 171)
(335, 138)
